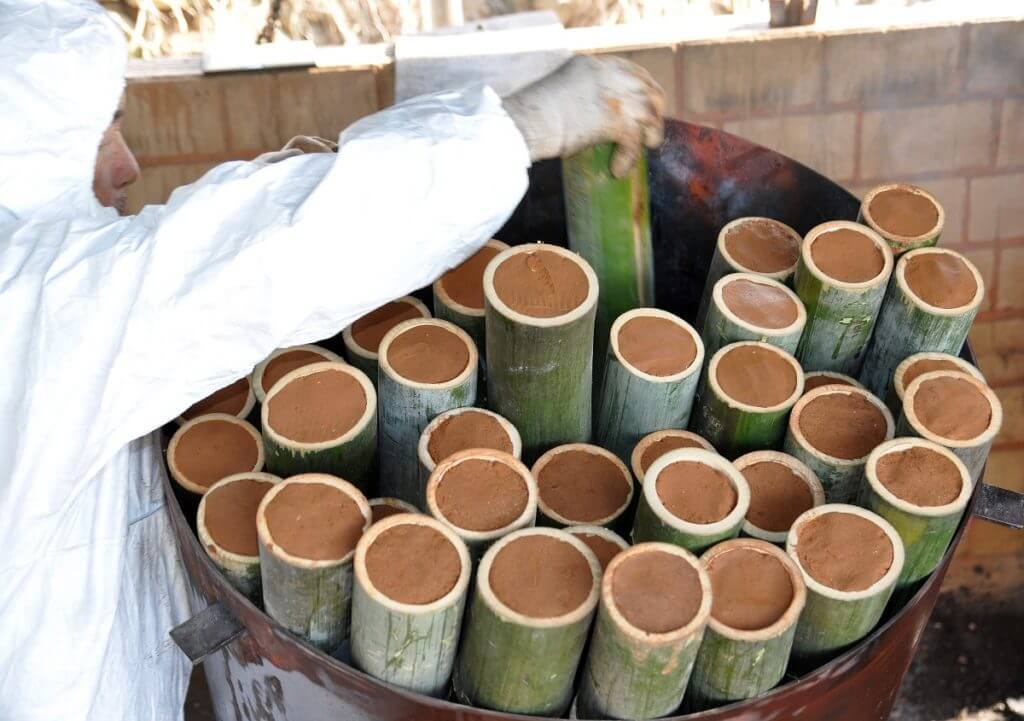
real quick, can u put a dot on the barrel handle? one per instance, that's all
(1000, 505)
(207, 632)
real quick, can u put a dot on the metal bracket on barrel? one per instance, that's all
(207, 632)
(1000, 505)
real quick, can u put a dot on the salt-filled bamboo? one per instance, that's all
(381, 508)
(236, 399)
(745, 306)
(748, 465)
(604, 542)
(190, 458)
(380, 321)
(284, 360)
(917, 365)
(582, 483)
(906, 216)
(458, 294)
(817, 379)
(654, 445)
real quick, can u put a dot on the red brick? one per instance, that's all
(823, 142)
(995, 60)
(1011, 135)
(1012, 398)
(997, 210)
(1011, 279)
(985, 262)
(999, 348)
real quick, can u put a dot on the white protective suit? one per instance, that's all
(111, 326)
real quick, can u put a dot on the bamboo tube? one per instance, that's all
(841, 478)
(723, 326)
(898, 242)
(918, 364)
(799, 470)
(631, 402)
(381, 508)
(840, 315)
(724, 261)
(604, 542)
(480, 539)
(410, 645)
(833, 619)
(236, 400)
(245, 444)
(539, 369)
(654, 445)
(655, 522)
(909, 324)
(926, 530)
(734, 664)
(406, 406)
(817, 379)
(310, 597)
(516, 663)
(469, 318)
(366, 359)
(352, 455)
(609, 224)
(735, 427)
(633, 673)
(240, 568)
(582, 493)
(294, 357)
(972, 451)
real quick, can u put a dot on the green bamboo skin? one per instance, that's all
(840, 316)
(179, 475)
(540, 370)
(513, 663)
(799, 469)
(722, 326)
(256, 380)
(842, 478)
(926, 531)
(735, 664)
(310, 598)
(733, 427)
(352, 456)
(654, 522)
(631, 673)
(405, 407)
(547, 516)
(685, 439)
(365, 359)
(833, 620)
(908, 325)
(469, 319)
(898, 387)
(409, 645)
(608, 221)
(245, 413)
(901, 243)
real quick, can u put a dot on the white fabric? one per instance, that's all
(111, 326)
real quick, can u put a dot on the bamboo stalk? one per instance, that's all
(257, 374)
(408, 645)
(840, 315)
(352, 455)
(670, 439)
(933, 361)
(722, 326)
(902, 243)
(548, 516)
(817, 379)
(586, 532)
(631, 673)
(799, 469)
(469, 319)
(190, 484)
(390, 507)
(366, 359)
(632, 403)
(908, 324)
(217, 402)
(925, 530)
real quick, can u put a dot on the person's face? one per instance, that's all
(116, 168)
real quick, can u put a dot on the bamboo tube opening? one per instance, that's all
(395, 333)
(799, 470)
(381, 508)
(818, 379)
(868, 213)
(718, 298)
(208, 539)
(291, 359)
(900, 445)
(879, 278)
(697, 455)
(442, 291)
(798, 435)
(236, 399)
(649, 449)
(996, 409)
(247, 433)
(716, 386)
(920, 363)
(396, 308)
(771, 228)
(901, 279)
(605, 545)
(692, 367)
(515, 442)
(544, 505)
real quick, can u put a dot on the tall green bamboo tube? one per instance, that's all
(241, 569)
(833, 620)
(817, 379)
(539, 369)
(295, 357)
(631, 402)
(246, 440)
(548, 515)
(633, 673)
(469, 318)
(352, 455)
(655, 522)
(406, 406)
(908, 324)
(900, 243)
(918, 364)
(841, 478)
(723, 326)
(654, 445)
(236, 400)
(517, 663)
(737, 663)
(735, 427)
(366, 359)
(724, 261)
(800, 471)
(926, 530)
(410, 645)
(604, 542)
(972, 451)
(309, 597)
(840, 315)
(608, 220)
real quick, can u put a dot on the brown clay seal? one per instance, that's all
(604, 542)
(460, 429)
(953, 407)
(582, 483)
(760, 245)
(817, 379)
(941, 278)
(696, 491)
(381, 508)
(365, 335)
(760, 303)
(227, 513)
(462, 287)
(212, 447)
(236, 399)
(847, 254)
(283, 361)
(756, 374)
(428, 352)
(903, 211)
(656, 343)
(654, 445)
(918, 364)
(841, 422)
(781, 489)
(757, 591)
(540, 284)
(920, 474)
(655, 590)
(319, 403)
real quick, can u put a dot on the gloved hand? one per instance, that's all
(589, 101)
(297, 146)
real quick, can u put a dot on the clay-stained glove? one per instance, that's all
(589, 101)
(299, 145)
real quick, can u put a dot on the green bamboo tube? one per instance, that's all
(840, 315)
(352, 455)
(800, 471)
(724, 261)
(723, 326)
(236, 399)
(406, 406)
(479, 540)
(918, 364)
(199, 486)
(469, 318)
(604, 542)
(550, 516)
(632, 673)
(654, 445)
(241, 569)
(925, 530)
(898, 242)
(735, 427)
(734, 664)
(309, 597)
(817, 379)
(539, 370)
(297, 356)
(654, 521)
(608, 221)
(908, 324)
(409, 645)
(631, 402)
(841, 478)
(381, 508)
(366, 359)
(833, 620)
(972, 451)
(515, 663)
